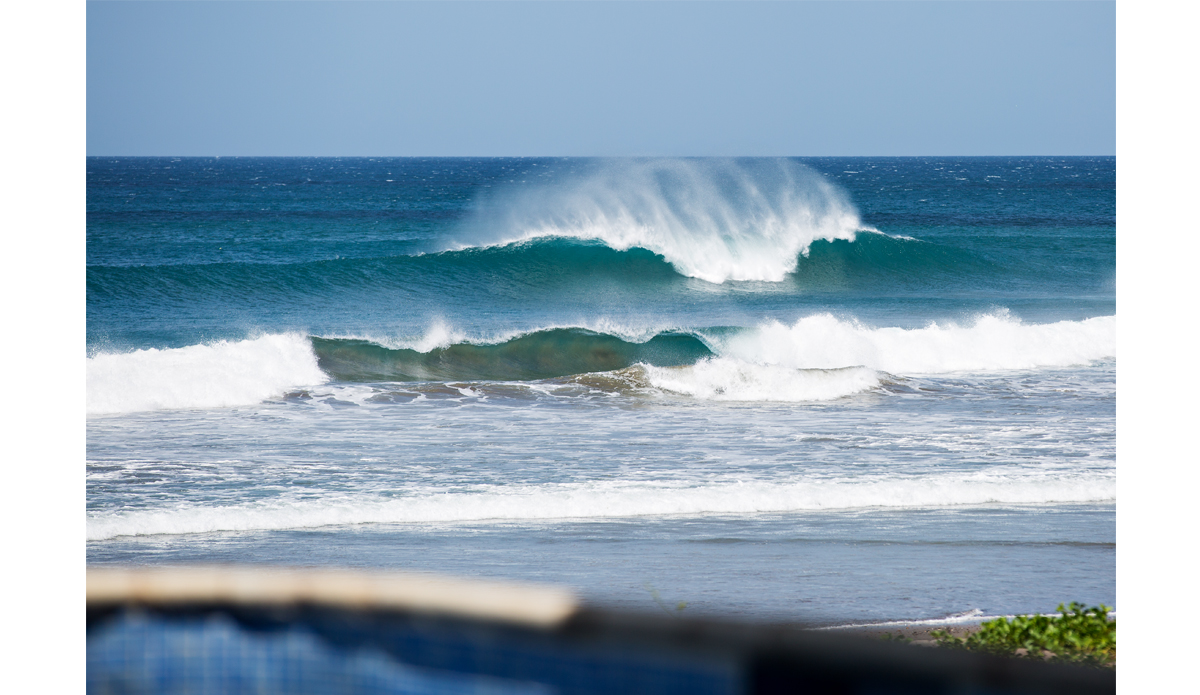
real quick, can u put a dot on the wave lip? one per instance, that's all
(212, 375)
(715, 220)
(616, 499)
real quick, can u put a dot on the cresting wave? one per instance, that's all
(819, 357)
(213, 375)
(715, 220)
(596, 500)
(819, 342)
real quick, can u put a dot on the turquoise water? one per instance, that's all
(827, 389)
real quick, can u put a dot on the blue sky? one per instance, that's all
(608, 78)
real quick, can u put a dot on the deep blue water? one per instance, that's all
(458, 364)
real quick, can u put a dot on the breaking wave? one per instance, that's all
(991, 342)
(715, 220)
(819, 357)
(210, 375)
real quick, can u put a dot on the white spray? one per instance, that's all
(716, 220)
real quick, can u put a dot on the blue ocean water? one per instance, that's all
(834, 389)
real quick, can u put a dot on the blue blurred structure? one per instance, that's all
(251, 631)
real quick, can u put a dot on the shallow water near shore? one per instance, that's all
(831, 390)
(819, 568)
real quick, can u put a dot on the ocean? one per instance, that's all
(821, 390)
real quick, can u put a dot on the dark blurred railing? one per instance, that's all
(231, 630)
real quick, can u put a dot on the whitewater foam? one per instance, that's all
(728, 379)
(611, 499)
(218, 374)
(715, 220)
(971, 617)
(991, 342)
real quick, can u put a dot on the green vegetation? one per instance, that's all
(1080, 635)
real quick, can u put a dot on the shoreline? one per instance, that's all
(915, 634)
(918, 632)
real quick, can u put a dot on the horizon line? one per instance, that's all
(579, 156)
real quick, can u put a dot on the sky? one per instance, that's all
(502, 78)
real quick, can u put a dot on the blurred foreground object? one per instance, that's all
(243, 630)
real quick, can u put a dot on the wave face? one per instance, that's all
(537, 355)
(599, 499)
(715, 220)
(576, 270)
(218, 374)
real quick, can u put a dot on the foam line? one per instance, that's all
(725, 379)
(971, 617)
(610, 499)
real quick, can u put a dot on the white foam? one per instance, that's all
(611, 499)
(991, 342)
(712, 220)
(439, 335)
(726, 379)
(211, 375)
(971, 617)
